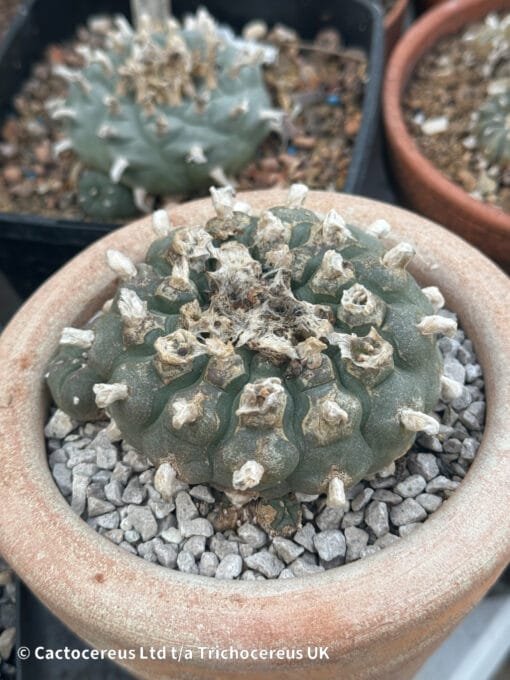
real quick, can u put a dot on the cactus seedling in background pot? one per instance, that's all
(264, 355)
(167, 108)
(493, 128)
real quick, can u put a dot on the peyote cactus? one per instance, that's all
(166, 108)
(493, 128)
(264, 355)
(103, 199)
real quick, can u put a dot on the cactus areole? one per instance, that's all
(167, 109)
(285, 352)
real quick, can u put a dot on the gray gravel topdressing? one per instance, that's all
(112, 487)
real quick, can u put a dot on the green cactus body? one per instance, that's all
(262, 354)
(493, 128)
(102, 199)
(166, 110)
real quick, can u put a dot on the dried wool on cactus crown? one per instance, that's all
(263, 354)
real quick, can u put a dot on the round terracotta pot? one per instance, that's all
(393, 24)
(379, 618)
(422, 185)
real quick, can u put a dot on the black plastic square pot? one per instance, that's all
(33, 247)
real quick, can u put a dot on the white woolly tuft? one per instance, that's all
(416, 421)
(120, 264)
(248, 476)
(77, 337)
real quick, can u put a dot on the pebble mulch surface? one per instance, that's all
(321, 84)
(7, 621)
(114, 489)
(448, 86)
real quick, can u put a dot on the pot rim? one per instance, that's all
(79, 575)
(396, 14)
(436, 23)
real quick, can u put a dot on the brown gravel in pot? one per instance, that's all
(325, 80)
(8, 9)
(448, 85)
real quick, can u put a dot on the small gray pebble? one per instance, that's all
(408, 511)
(473, 371)
(81, 456)
(376, 518)
(356, 541)
(407, 529)
(430, 442)
(301, 567)
(127, 547)
(252, 535)
(370, 550)
(59, 425)
(452, 445)
(230, 567)
(330, 518)
(286, 549)
(424, 464)
(172, 535)
(196, 527)
(352, 519)
(362, 499)
(115, 535)
(201, 493)
(387, 497)
(121, 473)
(265, 563)
(186, 563)
(454, 369)
(194, 545)
(469, 448)
(411, 487)
(429, 501)
(185, 509)
(221, 547)
(62, 476)
(79, 493)
(166, 555)
(106, 454)
(208, 564)
(463, 401)
(136, 461)
(134, 493)
(304, 536)
(286, 573)
(108, 521)
(160, 508)
(143, 521)
(57, 456)
(97, 506)
(131, 536)
(330, 544)
(245, 550)
(386, 540)
(441, 483)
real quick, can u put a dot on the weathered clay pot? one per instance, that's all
(393, 25)
(380, 618)
(422, 185)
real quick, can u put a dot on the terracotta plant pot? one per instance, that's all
(393, 25)
(422, 185)
(380, 617)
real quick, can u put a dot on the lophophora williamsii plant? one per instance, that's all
(490, 42)
(264, 355)
(164, 109)
(493, 128)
